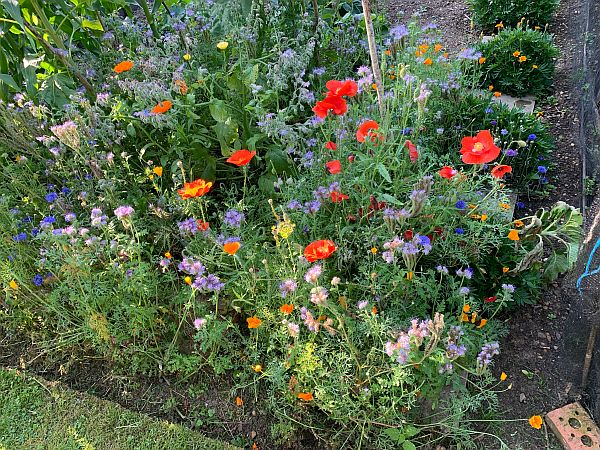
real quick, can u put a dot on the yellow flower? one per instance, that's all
(168, 255)
(257, 368)
(158, 171)
(536, 422)
(516, 53)
(223, 45)
(518, 223)
(467, 308)
(534, 66)
(409, 275)
(503, 376)
(491, 87)
(187, 57)
(13, 285)
(522, 58)
(513, 235)
(373, 250)
(484, 217)
(500, 25)
(188, 280)
(505, 269)
(151, 177)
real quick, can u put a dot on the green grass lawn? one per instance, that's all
(39, 415)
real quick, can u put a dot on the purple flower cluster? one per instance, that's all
(287, 287)
(123, 212)
(202, 282)
(98, 219)
(488, 351)
(233, 218)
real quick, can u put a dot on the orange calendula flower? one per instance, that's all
(504, 206)
(196, 188)
(503, 376)
(239, 401)
(482, 60)
(241, 157)
(374, 310)
(522, 58)
(497, 94)
(231, 248)
(158, 171)
(168, 255)
(423, 48)
(287, 308)
(536, 422)
(388, 52)
(519, 223)
(321, 249)
(505, 269)
(253, 322)
(428, 62)
(123, 66)
(162, 107)
(491, 87)
(513, 235)
(305, 396)
(516, 53)
(464, 317)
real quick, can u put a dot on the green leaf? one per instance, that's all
(411, 431)
(92, 24)
(277, 160)
(407, 445)
(8, 80)
(395, 434)
(384, 172)
(388, 199)
(218, 110)
(226, 133)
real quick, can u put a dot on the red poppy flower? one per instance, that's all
(479, 149)
(196, 188)
(333, 103)
(123, 66)
(408, 235)
(490, 299)
(202, 226)
(334, 166)
(337, 197)
(447, 172)
(412, 151)
(348, 87)
(162, 107)
(331, 146)
(351, 158)
(500, 170)
(321, 249)
(365, 130)
(241, 157)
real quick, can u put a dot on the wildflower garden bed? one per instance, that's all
(211, 213)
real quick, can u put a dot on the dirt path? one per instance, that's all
(542, 339)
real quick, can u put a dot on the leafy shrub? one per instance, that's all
(519, 62)
(488, 13)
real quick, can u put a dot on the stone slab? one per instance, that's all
(527, 103)
(573, 426)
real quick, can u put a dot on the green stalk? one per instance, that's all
(48, 28)
(149, 18)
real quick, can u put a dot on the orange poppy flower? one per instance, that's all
(482, 60)
(466, 308)
(158, 171)
(513, 235)
(497, 94)
(239, 401)
(231, 248)
(428, 62)
(241, 157)
(522, 58)
(196, 188)
(479, 149)
(519, 223)
(334, 166)
(503, 376)
(447, 172)
(337, 197)
(482, 323)
(287, 308)
(321, 249)
(123, 66)
(253, 322)
(412, 151)
(500, 170)
(340, 88)
(162, 107)
(516, 53)
(333, 103)
(306, 396)
(423, 48)
(331, 145)
(536, 422)
(437, 48)
(365, 130)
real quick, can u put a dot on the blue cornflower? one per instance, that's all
(532, 137)
(65, 190)
(503, 132)
(461, 204)
(494, 122)
(520, 205)
(542, 169)
(511, 152)
(38, 280)
(489, 110)
(20, 237)
(459, 231)
(52, 196)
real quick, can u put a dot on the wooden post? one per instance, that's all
(373, 53)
